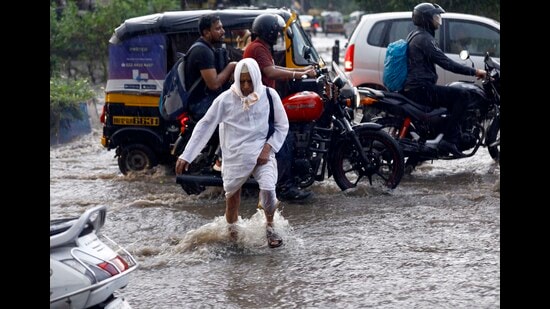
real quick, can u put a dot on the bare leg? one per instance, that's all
(232, 204)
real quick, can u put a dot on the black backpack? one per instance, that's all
(174, 96)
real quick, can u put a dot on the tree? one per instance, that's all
(487, 8)
(79, 42)
(65, 98)
(79, 39)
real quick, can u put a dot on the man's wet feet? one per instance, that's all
(273, 239)
(233, 232)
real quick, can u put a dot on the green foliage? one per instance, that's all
(344, 7)
(65, 98)
(487, 8)
(79, 40)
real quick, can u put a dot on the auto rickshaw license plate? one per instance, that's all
(136, 121)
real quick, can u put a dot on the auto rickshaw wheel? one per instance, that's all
(136, 158)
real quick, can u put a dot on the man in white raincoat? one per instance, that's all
(243, 113)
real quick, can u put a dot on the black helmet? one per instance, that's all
(423, 15)
(267, 27)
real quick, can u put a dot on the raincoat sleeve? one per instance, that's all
(204, 129)
(280, 120)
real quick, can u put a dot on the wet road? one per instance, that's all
(434, 241)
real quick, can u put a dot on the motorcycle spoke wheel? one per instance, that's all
(392, 126)
(385, 161)
(493, 140)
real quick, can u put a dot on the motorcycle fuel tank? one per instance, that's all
(303, 106)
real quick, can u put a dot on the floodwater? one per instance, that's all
(433, 242)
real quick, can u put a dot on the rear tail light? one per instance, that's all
(183, 118)
(114, 266)
(102, 116)
(348, 58)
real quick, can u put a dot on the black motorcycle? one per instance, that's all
(327, 142)
(418, 128)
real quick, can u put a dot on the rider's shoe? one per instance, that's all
(293, 194)
(451, 148)
(217, 166)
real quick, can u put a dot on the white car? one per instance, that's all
(353, 21)
(366, 48)
(307, 22)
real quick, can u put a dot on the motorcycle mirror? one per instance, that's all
(465, 55)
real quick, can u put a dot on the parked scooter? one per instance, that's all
(418, 128)
(87, 267)
(327, 142)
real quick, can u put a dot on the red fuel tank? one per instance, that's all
(303, 106)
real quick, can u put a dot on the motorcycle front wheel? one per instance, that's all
(385, 164)
(493, 139)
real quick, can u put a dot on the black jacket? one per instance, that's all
(423, 55)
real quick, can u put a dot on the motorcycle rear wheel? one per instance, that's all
(392, 126)
(385, 166)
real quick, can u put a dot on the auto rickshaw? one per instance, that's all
(141, 52)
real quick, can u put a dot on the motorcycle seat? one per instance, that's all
(416, 110)
(400, 97)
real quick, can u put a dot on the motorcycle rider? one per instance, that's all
(420, 86)
(265, 32)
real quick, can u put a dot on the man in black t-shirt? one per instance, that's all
(201, 62)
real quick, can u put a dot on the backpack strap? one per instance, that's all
(185, 58)
(195, 84)
(412, 35)
(271, 117)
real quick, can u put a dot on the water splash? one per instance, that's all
(215, 235)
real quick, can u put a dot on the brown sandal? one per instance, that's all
(273, 239)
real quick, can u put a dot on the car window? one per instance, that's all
(399, 29)
(376, 35)
(385, 32)
(476, 38)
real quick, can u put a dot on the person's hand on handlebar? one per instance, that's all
(480, 74)
(181, 166)
(310, 73)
